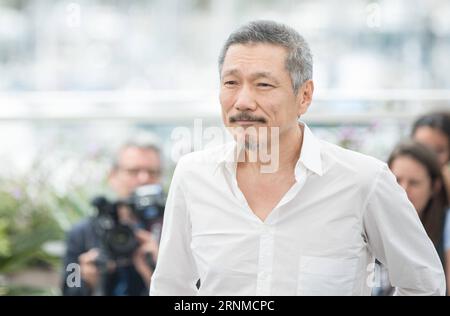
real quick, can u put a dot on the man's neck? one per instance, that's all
(289, 149)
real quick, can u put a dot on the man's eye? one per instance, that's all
(264, 85)
(230, 83)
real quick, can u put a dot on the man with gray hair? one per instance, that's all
(312, 226)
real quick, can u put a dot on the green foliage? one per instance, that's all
(27, 224)
(27, 291)
(38, 207)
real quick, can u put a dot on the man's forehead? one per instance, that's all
(256, 73)
(268, 57)
(253, 75)
(131, 154)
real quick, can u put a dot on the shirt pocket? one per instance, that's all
(322, 276)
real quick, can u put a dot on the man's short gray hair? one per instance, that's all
(299, 61)
(142, 141)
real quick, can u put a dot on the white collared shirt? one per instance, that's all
(345, 210)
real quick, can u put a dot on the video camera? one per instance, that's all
(118, 240)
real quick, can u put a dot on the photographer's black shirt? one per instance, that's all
(123, 281)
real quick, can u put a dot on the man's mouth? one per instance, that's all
(245, 120)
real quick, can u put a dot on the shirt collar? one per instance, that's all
(229, 156)
(310, 156)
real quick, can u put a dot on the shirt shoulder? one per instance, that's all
(353, 165)
(83, 226)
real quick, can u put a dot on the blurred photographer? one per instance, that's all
(117, 249)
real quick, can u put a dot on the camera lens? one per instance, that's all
(121, 241)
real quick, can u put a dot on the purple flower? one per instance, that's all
(16, 193)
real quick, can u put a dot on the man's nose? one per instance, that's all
(143, 177)
(245, 100)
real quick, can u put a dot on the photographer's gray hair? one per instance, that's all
(140, 140)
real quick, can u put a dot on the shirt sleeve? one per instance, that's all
(175, 272)
(398, 240)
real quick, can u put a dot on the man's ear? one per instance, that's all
(304, 97)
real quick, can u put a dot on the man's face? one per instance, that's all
(256, 89)
(136, 167)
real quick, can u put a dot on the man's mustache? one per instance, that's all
(244, 116)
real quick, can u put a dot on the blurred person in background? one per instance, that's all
(117, 249)
(433, 130)
(418, 171)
